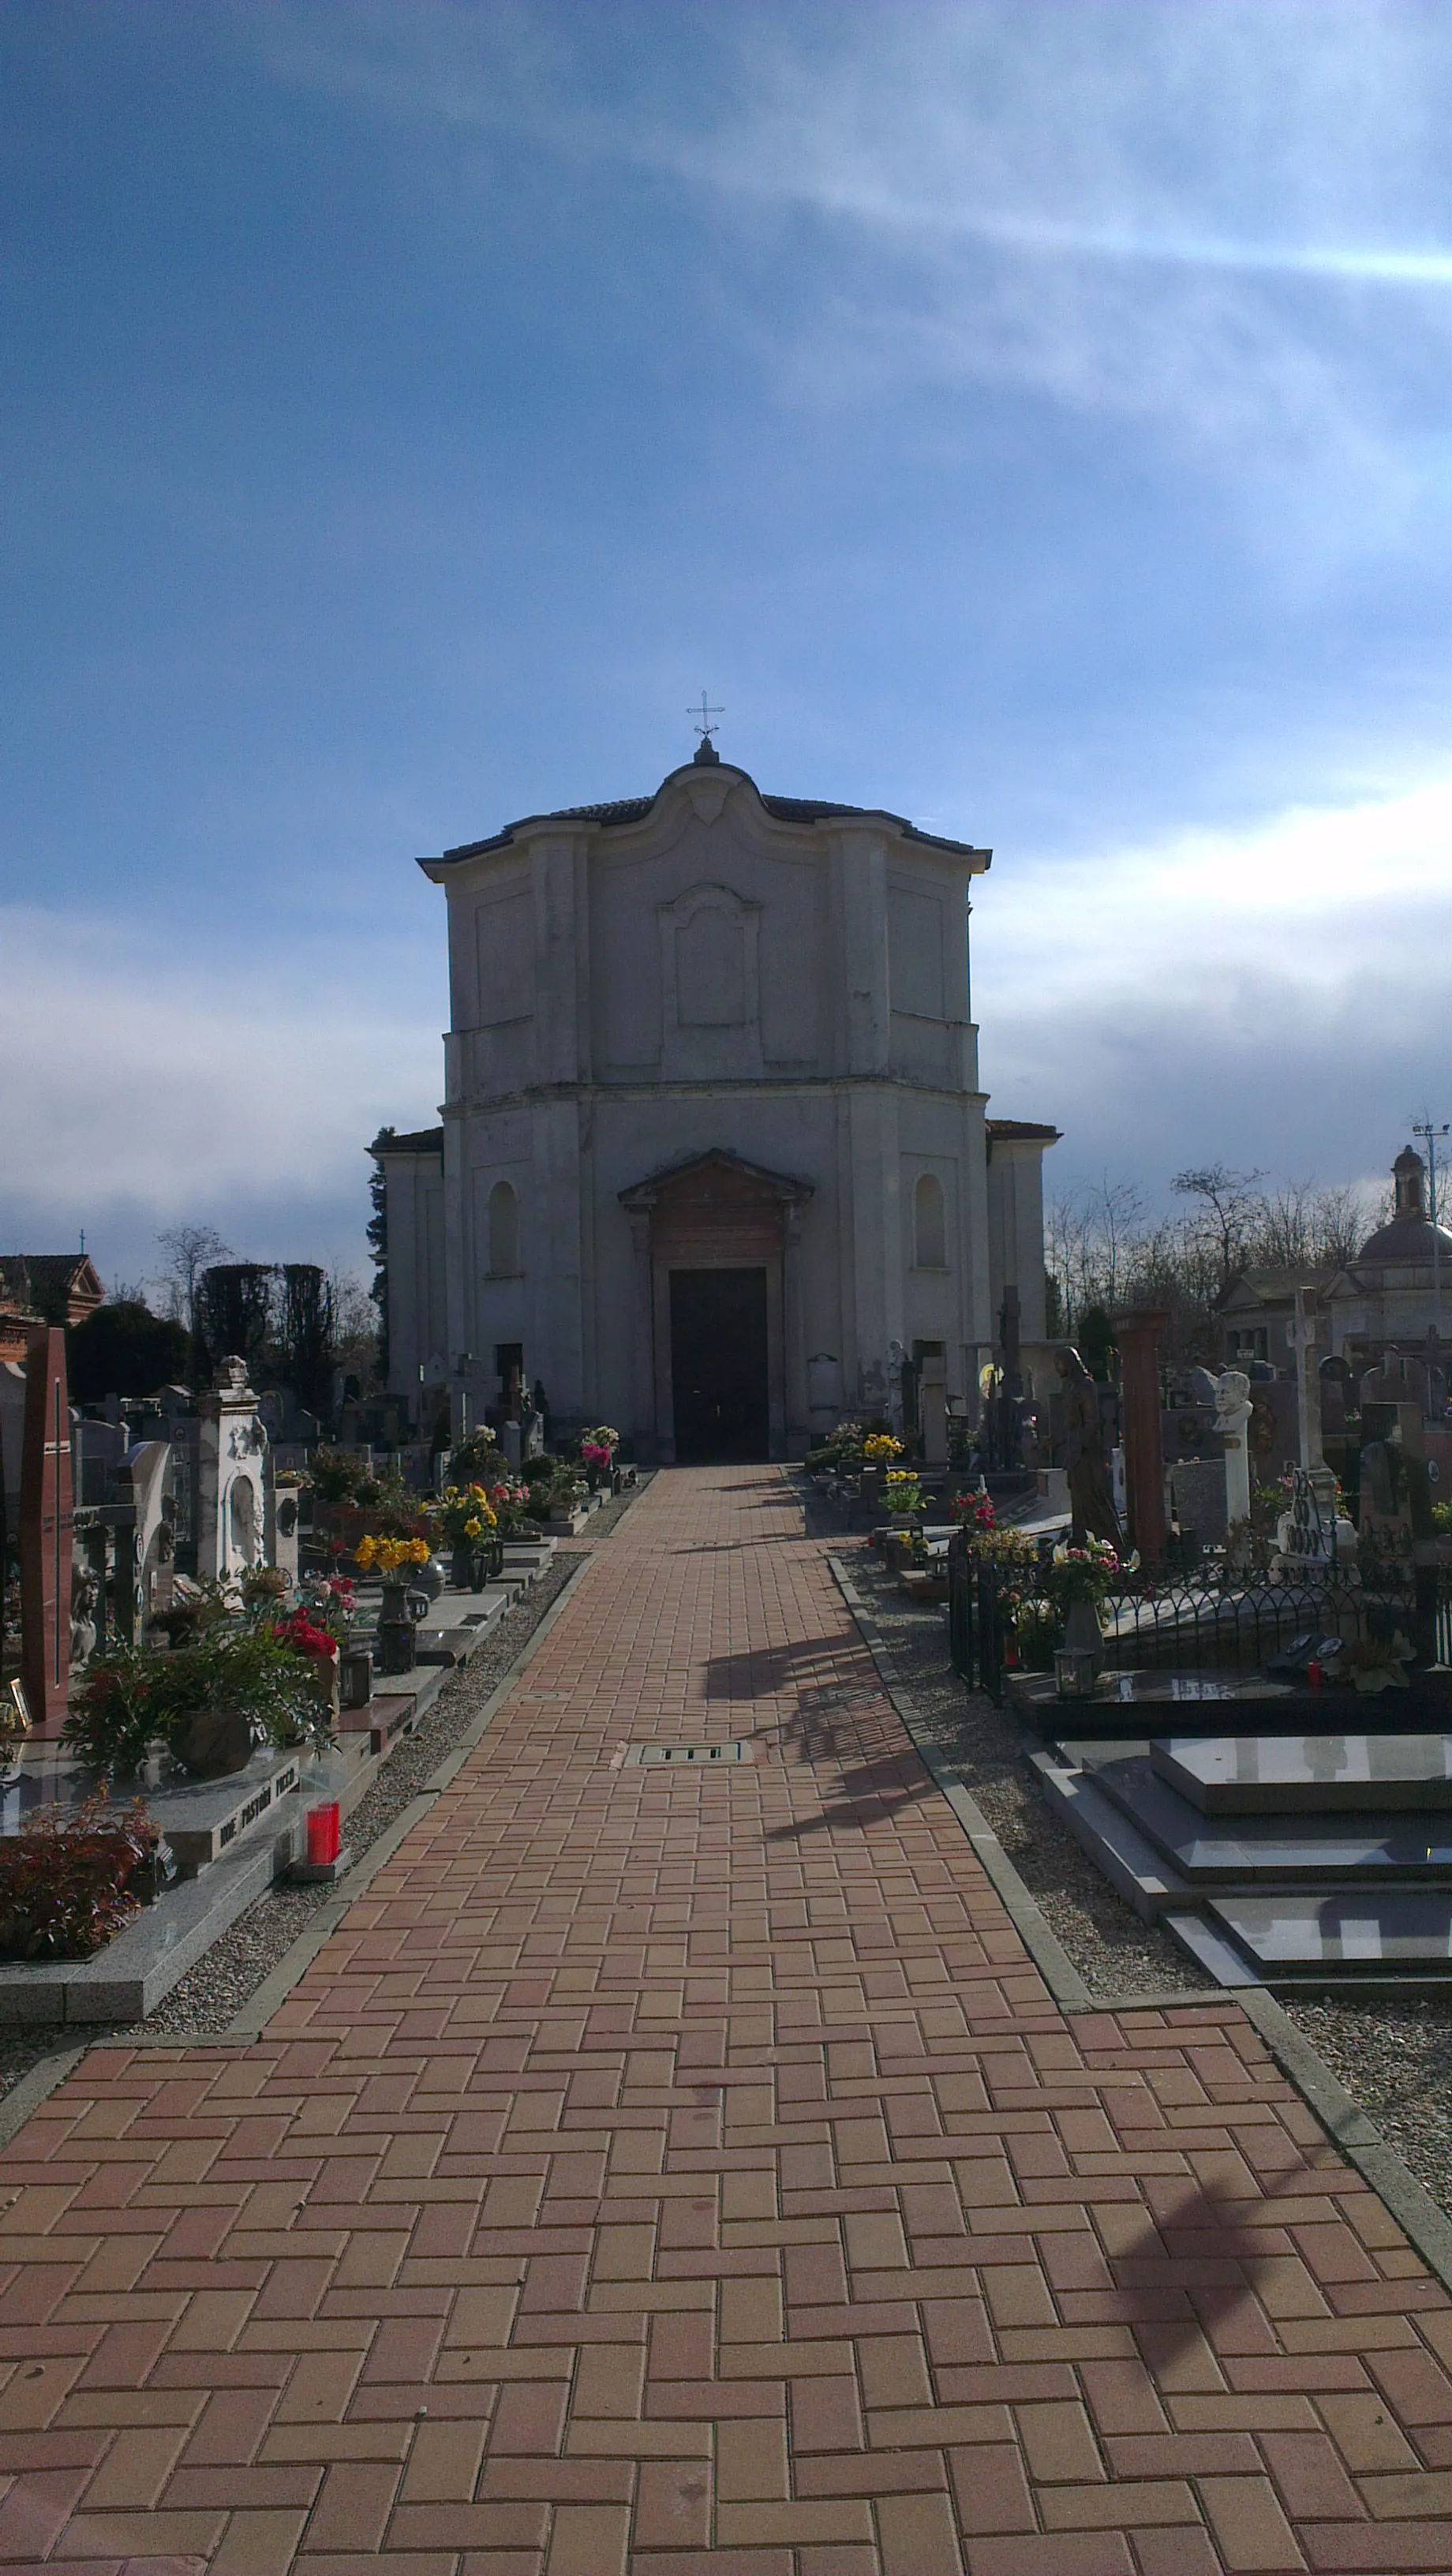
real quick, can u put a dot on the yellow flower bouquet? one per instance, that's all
(467, 1514)
(389, 1556)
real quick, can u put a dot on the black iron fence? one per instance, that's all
(1001, 1617)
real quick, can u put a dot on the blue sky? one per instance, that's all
(1035, 419)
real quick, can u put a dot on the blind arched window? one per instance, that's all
(503, 1231)
(930, 1229)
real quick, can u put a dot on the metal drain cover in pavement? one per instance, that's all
(702, 1755)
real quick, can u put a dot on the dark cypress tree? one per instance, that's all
(306, 1324)
(123, 1349)
(233, 1314)
(378, 1242)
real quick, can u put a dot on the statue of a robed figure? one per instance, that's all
(1091, 1499)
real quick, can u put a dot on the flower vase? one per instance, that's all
(461, 1565)
(395, 1631)
(1082, 1631)
(324, 1679)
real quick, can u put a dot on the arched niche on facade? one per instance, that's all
(930, 1224)
(503, 1223)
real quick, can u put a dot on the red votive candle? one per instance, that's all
(1313, 1673)
(322, 1824)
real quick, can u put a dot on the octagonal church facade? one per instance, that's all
(714, 1163)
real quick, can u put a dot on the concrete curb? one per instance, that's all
(1049, 1956)
(1425, 2225)
(33, 2089)
(1417, 2214)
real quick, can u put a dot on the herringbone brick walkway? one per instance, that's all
(682, 2172)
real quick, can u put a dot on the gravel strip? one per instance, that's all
(216, 1989)
(1395, 2060)
(981, 1745)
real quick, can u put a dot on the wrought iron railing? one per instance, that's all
(1213, 1620)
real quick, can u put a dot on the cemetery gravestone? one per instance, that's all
(45, 1533)
(933, 1411)
(1232, 1421)
(1197, 1489)
(1138, 1336)
(282, 1523)
(12, 1437)
(231, 1500)
(148, 1470)
(1305, 1340)
(1306, 1535)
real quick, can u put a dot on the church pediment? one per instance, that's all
(716, 1176)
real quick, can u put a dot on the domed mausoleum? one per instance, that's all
(1395, 1292)
(714, 1162)
(1411, 1242)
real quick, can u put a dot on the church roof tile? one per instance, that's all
(634, 809)
(423, 1140)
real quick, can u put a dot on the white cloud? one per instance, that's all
(1275, 995)
(158, 1079)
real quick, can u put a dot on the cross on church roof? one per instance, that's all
(703, 715)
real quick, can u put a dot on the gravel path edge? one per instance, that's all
(1359, 2140)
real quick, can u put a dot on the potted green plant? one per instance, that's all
(71, 1878)
(902, 1492)
(206, 1704)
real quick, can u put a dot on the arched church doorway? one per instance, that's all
(719, 1365)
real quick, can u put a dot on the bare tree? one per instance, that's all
(189, 1249)
(1119, 1221)
(1094, 1242)
(1344, 1219)
(1282, 1229)
(1066, 1254)
(355, 1325)
(1228, 1202)
(1303, 1227)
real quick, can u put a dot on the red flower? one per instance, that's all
(299, 1633)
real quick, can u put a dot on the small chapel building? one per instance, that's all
(714, 1163)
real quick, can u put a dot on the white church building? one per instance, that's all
(714, 1162)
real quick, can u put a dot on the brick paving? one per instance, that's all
(670, 2171)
